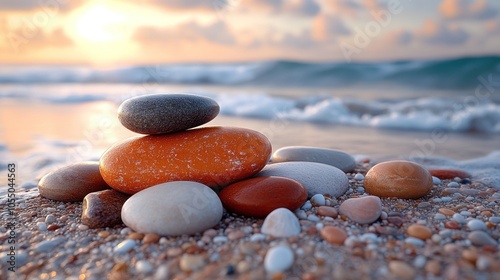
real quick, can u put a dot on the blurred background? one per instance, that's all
(375, 78)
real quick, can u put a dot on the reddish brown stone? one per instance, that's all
(327, 211)
(398, 178)
(103, 209)
(334, 235)
(257, 197)
(449, 173)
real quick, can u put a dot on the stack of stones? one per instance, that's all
(178, 179)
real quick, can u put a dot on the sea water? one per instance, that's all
(436, 112)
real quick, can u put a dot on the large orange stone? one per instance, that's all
(257, 197)
(398, 178)
(214, 156)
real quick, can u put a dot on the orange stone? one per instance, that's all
(334, 235)
(214, 156)
(419, 231)
(449, 173)
(446, 211)
(398, 178)
(327, 211)
(257, 197)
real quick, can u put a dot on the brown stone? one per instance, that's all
(334, 235)
(419, 231)
(103, 209)
(448, 173)
(327, 211)
(151, 238)
(401, 179)
(446, 211)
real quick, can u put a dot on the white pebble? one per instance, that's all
(439, 216)
(42, 226)
(496, 195)
(50, 219)
(318, 199)
(220, 239)
(436, 180)
(257, 237)
(446, 199)
(476, 225)
(319, 226)
(457, 179)
(306, 206)
(301, 214)
(143, 267)
(453, 185)
(313, 218)
(459, 218)
(465, 213)
(83, 227)
(281, 223)
(278, 259)
(361, 189)
(419, 261)
(162, 272)
(494, 220)
(436, 200)
(415, 241)
(469, 198)
(50, 209)
(359, 177)
(483, 263)
(124, 246)
(369, 237)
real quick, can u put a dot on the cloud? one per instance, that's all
(400, 37)
(371, 4)
(217, 32)
(28, 5)
(296, 7)
(467, 9)
(190, 4)
(325, 27)
(18, 40)
(342, 7)
(442, 34)
(493, 27)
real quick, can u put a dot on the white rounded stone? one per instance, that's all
(278, 259)
(173, 208)
(281, 223)
(476, 225)
(318, 199)
(315, 177)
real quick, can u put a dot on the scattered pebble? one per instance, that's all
(281, 223)
(334, 235)
(481, 238)
(318, 199)
(191, 263)
(124, 246)
(363, 210)
(476, 225)
(278, 259)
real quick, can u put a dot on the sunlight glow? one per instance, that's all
(101, 23)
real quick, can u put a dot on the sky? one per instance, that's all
(111, 32)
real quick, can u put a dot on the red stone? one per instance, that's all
(214, 156)
(449, 173)
(257, 197)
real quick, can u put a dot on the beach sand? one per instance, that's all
(69, 250)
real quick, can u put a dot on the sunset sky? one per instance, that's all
(109, 32)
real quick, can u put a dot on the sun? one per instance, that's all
(100, 23)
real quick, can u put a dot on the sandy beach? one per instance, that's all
(234, 249)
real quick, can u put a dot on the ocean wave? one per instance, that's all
(458, 73)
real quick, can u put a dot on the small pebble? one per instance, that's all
(257, 237)
(453, 185)
(327, 211)
(124, 246)
(446, 199)
(494, 220)
(359, 177)
(313, 218)
(306, 206)
(334, 235)
(151, 238)
(50, 219)
(439, 216)
(401, 270)
(363, 210)
(281, 223)
(143, 266)
(189, 263)
(42, 226)
(415, 241)
(436, 180)
(465, 213)
(419, 231)
(476, 225)
(278, 259)
(318, 199)
(220, 239)
(446, 211)
(481, 238)
(459, 218)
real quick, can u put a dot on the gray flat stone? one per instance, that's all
(166, 113)
(336, 158)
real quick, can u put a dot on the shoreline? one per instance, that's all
(381, 250)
